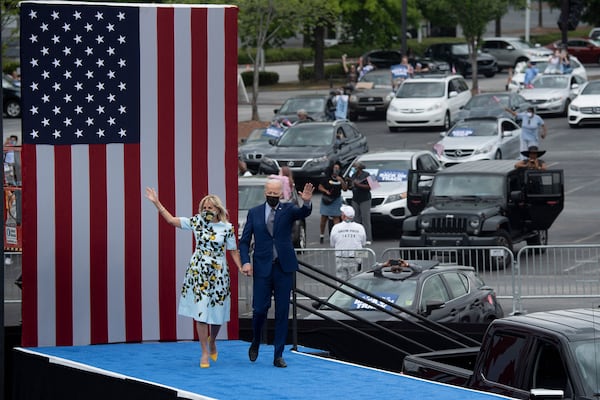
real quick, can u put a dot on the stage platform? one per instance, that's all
(171, 371)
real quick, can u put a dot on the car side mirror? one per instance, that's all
(432, 305)
(516, 196)
(443, 133)
(243, 140)
(452, 94)
(574, 86)
(507, 133)
(316, 305)
(275, 110)
(272, 142)
(510, 48)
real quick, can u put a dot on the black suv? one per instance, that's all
(310, 148)
(482, 203)
(457, 55)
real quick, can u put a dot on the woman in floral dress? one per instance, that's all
(206, 295)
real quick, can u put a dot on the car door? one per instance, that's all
(434, 291)
(579, 49)
(425, 161)
(544, 196)
(460, 99)
(351, 146)
(464, 305)
(510, 144)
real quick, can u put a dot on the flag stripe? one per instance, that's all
(133, 235)
(64, 239)
(82, 259)
(98, 240)
(231, 140)
(166, 186)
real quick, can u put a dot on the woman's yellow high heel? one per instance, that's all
(215, 355)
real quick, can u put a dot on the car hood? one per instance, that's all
(375, 91)
(415, 103)
(254, 147)
(473, 142)
(293, 117)
(592, 100)
(483, 112)
(543, 94)
(296, 152)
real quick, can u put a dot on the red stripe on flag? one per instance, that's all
(199, 80)
(98, 244)
(29, 307)
(133, 243)
(231, 126)
(166, 167)
(63, 233)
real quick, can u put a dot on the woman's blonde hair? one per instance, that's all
(222, 214)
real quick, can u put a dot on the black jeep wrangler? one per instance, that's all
(482, 203)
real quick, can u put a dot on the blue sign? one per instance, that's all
(367, 302)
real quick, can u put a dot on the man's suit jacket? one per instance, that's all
(285, 215)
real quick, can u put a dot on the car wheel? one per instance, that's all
(447, 122)
(393, 128)
(490, 74)
(541, 239)
(12, 108)
(498, 155)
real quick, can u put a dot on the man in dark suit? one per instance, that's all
(274, 261)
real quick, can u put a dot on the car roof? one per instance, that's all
(492, 167)
(575, 324)
(507, 38)
(391, 155)
(415, 269)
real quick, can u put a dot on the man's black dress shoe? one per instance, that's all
(253, 352)
(279, 362)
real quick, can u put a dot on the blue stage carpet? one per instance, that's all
(176, 365)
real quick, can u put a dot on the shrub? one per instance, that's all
(8, 66)
(264, 78)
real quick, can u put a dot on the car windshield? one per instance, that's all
(587, 358)
(551, 82)
(250, 195)
(388, 170)
(311, 105)
(416, 89)
(460, 49)
(467, 185)
(382, 79)
(468, 128)
(307, 135)
(591, 88)
(485, 101)
(258, 135)
(400, 292)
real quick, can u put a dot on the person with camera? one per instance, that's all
(345, 238)
(532, 161)
(331, 187)
(361, 198)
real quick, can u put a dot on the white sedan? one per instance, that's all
(390, 169)
(476, 139)
(585, 108)
(552, 94)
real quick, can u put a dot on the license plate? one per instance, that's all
(497, 253)
(371, 108)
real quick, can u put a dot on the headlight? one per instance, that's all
(353, 99)
(435, 106)
(474, 223)
(573, 107)
(389, 97)
(425, 223)
(395, 197)
(269, 161)
(484, 150)
(392, 107)
(554, 99)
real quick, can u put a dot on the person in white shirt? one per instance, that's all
(346, 237)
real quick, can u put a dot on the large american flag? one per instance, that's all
(117, 97)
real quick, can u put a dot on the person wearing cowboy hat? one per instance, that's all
(532, 161)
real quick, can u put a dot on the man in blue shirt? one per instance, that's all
(531, 124)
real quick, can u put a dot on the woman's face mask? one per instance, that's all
(530, 114)
(207, 215)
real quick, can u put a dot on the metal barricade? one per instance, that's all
(560, 272)
(323, 258)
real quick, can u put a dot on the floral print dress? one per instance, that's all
(205, 295)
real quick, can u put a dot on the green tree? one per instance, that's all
(376, 23)
(9, 12)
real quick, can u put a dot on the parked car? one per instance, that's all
(450, 293)
(314, 104)
(510, 51)
(310, 148)
(594, 33)
(586, 50)
(428, 101)
(479, 139)
(541, 63)
(493, 105)
(457, 55)
(585, 108)
(390, 168)
(252, 148)
(251, 193)
(372, 94)
(11, 97)
(553, 93)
